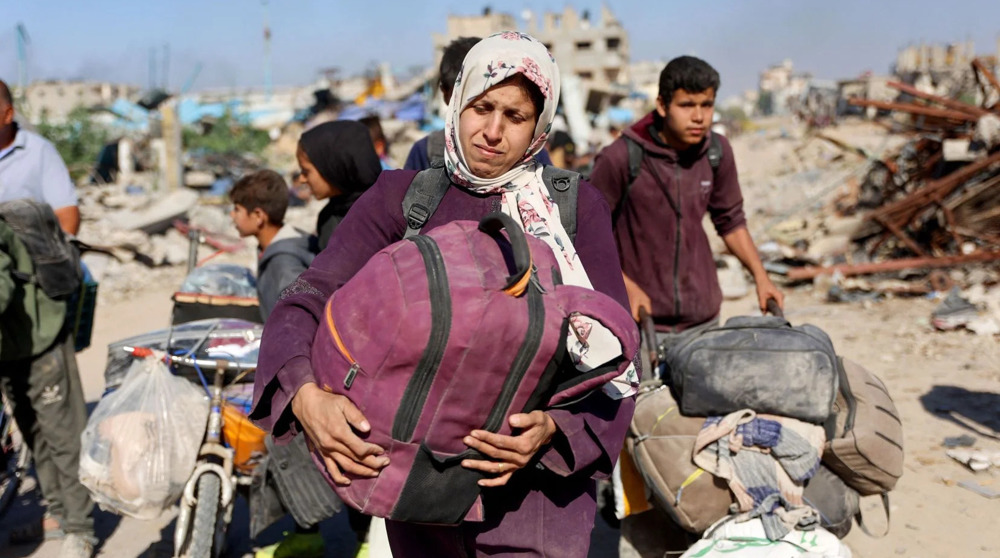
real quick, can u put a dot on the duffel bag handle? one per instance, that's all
(493, 224)
(774, 309)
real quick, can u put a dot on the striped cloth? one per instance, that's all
(766, 460)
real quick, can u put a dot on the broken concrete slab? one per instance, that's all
(158, 216)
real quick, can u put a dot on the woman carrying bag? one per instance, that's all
(539, 497)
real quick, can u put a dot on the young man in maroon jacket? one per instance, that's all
(665, 253)
(658, 197)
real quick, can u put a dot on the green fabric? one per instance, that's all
(30, 321)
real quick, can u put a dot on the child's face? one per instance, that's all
(247, 223)
(309, 176)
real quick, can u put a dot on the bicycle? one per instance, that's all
(206, 505)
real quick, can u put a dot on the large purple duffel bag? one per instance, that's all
(435, 337)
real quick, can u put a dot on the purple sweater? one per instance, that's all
(556, 504)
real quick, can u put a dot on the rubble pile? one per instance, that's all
(916, 219)
(139, 236)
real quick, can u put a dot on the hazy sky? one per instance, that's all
(111, 39)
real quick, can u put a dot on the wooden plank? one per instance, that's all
(848, 270)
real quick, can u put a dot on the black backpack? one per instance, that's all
(636, 153)
(429, 187)
(56, 257)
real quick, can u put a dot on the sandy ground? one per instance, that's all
(944, 384)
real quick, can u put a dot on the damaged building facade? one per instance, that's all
(55, 99)
(595, 51)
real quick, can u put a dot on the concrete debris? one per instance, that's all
(732, 279)
(980, 489)
(158, 214)
(988, 130)
(976, 460)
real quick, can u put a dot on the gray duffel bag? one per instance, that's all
(756, 362)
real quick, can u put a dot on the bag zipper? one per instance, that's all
(339, 342)
(525, 355)
(420, 382)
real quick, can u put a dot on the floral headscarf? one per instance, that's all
(525, 197)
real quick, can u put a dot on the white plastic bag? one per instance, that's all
(141, 442)
(732, 539)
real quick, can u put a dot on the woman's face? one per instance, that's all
(496, 129)
(309, 176)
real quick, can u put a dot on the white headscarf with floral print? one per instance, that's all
(525, 196)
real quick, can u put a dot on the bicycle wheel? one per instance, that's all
(204, 530)
(14, 458)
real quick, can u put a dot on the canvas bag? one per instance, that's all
(660, 442)
(866, 449)
(435, 337)
(756, 362)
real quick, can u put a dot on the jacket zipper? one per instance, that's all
(525, 355)
(339, 342)
(423, 376)
(676, 206)
(677, 245)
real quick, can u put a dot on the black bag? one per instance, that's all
(837, 503)
(56, 257)
(756, 362)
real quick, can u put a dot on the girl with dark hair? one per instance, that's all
(338, 162)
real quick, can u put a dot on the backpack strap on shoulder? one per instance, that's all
(635, 155)
(564, 189)
(435, 148)
(423, 197)
(714, 151)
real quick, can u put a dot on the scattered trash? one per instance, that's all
(986, 492)
(954, 312)
(963, 441)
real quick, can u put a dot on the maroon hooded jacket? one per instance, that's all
(661, 241)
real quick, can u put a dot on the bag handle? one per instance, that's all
(649, 338)
(861, 522)
(492, 224)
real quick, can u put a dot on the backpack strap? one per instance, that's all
(564, 189)
(435, 148)
(423, 197)
(714, 152)
(635, 155)
(429, 187)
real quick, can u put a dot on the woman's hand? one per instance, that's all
(510, 453)
(330, 421)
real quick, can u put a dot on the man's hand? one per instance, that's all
(637, 298)
(766, 290)
(330, 422)
(510, 453)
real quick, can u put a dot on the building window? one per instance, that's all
(614, 43)
(584, 45)
(585, 75)
(612, 74)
